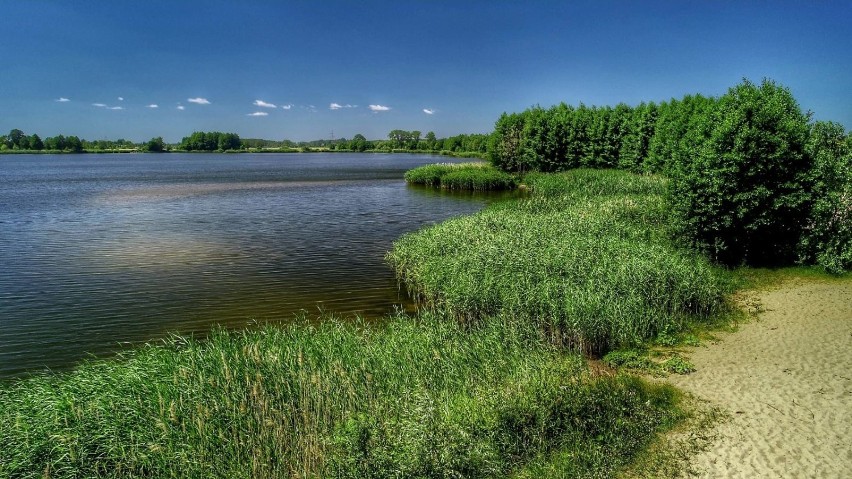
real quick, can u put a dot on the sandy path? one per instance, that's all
(786, 380)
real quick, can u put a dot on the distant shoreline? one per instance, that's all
(452, 154)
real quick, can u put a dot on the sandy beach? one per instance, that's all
(785, 379)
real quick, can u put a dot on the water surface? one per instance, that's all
(99, 251)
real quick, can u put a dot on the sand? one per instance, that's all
(785, 379)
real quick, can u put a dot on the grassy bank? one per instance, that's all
(586, 257)
(413, 398)
(461, 176)
(480, 384)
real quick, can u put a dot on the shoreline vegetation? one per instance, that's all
(399, 141)
(497, 375)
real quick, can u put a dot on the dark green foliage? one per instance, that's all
(743, 189)
(505, 143)
(739, 191)
(415, 397)
(461, 176)
(671, 140)
(210, 141)
(155, 145)
(827, 239)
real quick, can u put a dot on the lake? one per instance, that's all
(98, 252)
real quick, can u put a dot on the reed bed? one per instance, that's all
(461, 176)
(416, 397)
(586, 258)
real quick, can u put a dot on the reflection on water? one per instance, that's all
(102, 250)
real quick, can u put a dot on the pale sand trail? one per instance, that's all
(786, 380)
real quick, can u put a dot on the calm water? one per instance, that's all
(100, 251)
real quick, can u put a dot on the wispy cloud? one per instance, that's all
(153, 105)
(428, 111)
(258, 113)
(121, 98)
(337, 106)
(181, 107)
(107, 107)
(199, 101)
(379, 108)
(263, 104)
(62, 99)
(287, 106)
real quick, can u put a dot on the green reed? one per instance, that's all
(461, 176)
(586, 257)
(415, 397)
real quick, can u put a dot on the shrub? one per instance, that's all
(741, 195)
(827, 238)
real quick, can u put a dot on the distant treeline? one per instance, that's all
(398, 140)
(752, 179)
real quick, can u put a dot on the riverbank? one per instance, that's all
(785, 381)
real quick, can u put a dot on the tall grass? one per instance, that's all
(413, 398)
(586, 257)
(461, 176)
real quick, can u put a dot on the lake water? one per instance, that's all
(101, 251)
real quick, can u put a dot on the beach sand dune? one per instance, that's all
(786, 381)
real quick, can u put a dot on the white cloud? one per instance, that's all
(99, 105)
(428, 111)
(287, 106)
(153, 105)
(379, 108)
(181, 107)
(258, 113)
(116, 108)
(121, 98)
(335, 106)
(263, 104)
(200, 101)
(62, 99)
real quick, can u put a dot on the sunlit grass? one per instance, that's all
(586, 257)
(413, 398)
(461, 176)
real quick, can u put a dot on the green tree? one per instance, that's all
(506, 143)
(73, 144)
(35, 142)
(14, 138)
(430, 140)
(358, 143)
(827, 237)
(742, 195)
(155, 145)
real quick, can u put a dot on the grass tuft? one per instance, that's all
(461, 176)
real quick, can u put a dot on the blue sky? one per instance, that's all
(300, 69)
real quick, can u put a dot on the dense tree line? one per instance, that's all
(413, 141)
(752, 179)
(210, 141)
(17, 140)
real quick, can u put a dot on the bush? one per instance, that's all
(827, 238)
(742, 195)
